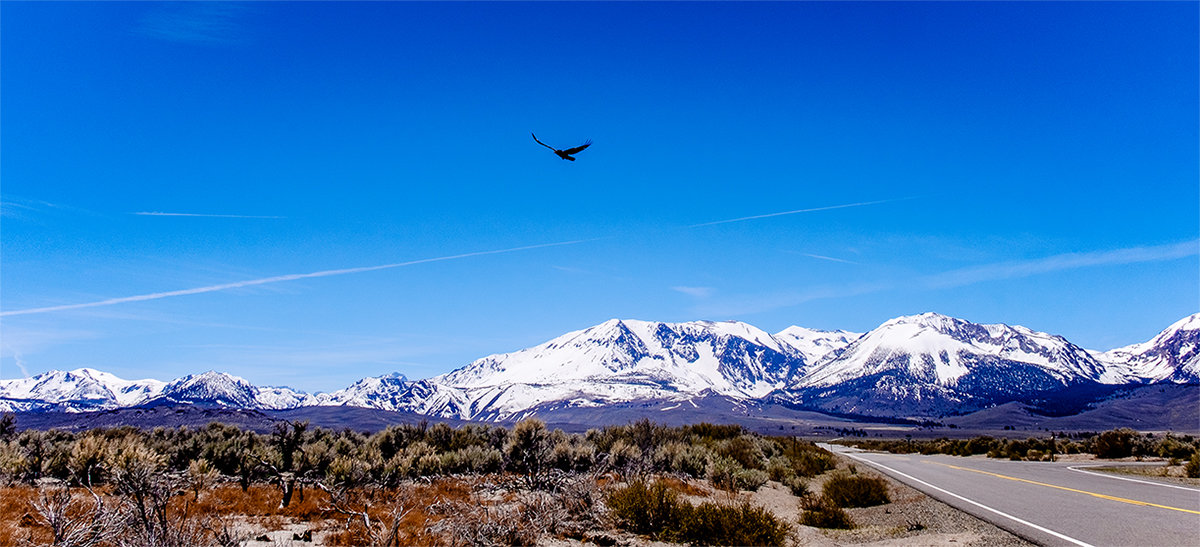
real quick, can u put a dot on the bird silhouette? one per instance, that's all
(564, 154)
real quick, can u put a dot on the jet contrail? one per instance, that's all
(814, 209)
(160, 214)
(327, 273)
(279, 278)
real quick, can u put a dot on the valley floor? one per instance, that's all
(452, 506)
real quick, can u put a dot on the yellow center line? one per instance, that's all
(1107, 497)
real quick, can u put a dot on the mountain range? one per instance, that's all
(924, 365)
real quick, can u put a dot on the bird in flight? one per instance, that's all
(564, 154)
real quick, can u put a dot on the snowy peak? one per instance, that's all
(1172, 356)
(814, 344)
(936, 349)
(623, 360)
(708, 352)
(918, 365)
(79, 389)
(224, 390)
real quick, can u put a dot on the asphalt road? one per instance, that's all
(1050, 503)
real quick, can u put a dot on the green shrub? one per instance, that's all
(716, 524)
(750, 479)
(797, 485)
(822, 513)
(1192, 467)
(845, 490)
(780, 468)
(1117, 443)
(745, 450)
(657, 511)
(723, 472)
(645, 509)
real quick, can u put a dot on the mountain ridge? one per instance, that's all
(918, 365)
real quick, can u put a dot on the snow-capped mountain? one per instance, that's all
(922, 365)
(1172, 356)
(933, 364)
(224, 390)
(76, 390)
(87, 389)
(815, 344)
(615, 361)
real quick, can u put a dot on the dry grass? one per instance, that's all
(16, 517)
(259, 506)
(688, 488)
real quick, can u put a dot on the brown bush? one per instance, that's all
(845, 490)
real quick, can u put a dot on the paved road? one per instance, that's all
(1051, 503)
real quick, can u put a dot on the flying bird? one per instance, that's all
(564, 154)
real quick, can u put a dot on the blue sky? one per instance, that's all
(259, 188)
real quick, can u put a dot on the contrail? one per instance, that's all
(797, 211)
(159, 214)
(327, 273)
(280, 278)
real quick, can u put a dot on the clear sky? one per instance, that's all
(172, 173)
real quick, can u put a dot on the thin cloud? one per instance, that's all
(1068, 261)
(829, 258)
(277, 279)
(206, 215)
(201, 23)
(958, 278)
(798, 211)
(698, 292)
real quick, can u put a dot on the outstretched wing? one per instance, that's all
(542, 143)
(578, 149)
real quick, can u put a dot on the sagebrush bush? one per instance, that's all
(658, 511)
(750, 479)
(645, 508)
(820, 512)
(1192, 467)
(797, 485)
(722, 471)
(846, 490)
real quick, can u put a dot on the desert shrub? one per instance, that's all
(780, 469)
(87, 459)
(744, 449)
(1192, 467)
(722, 472)
(623, 454)
(346, 471)
(820, 512)
(1172, 447)
(714, 432)
(528, 448)
(808, 459)
(573, 453)
(200, 476)
(473, 459)
(797, 485)
(845, 490)
(657, 510)
(1116, 443)
(716, 524)
(682, 457)
(1034, 455)
(645, 508)
(750, 479)
(12, 462)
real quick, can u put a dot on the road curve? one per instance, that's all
(1048, 502)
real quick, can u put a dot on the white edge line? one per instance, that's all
(1077, 468)
(972, 502)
